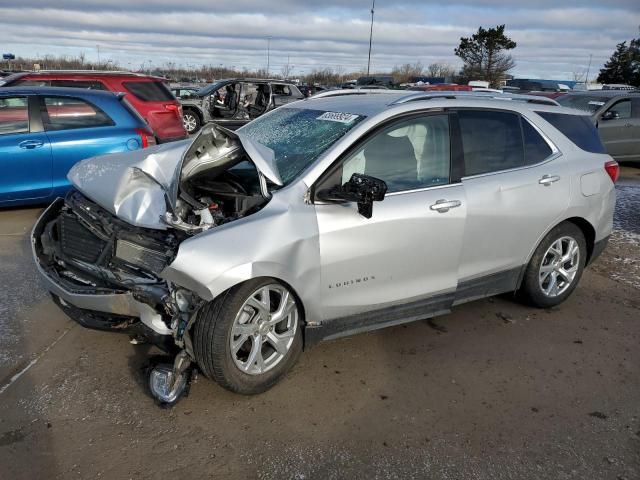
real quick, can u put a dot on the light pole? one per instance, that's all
(586, 80)
(373, 7)
(268, 54)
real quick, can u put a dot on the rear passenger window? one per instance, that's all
(491, 141)
(88, 84)
(577, 128)
(150, 91)
(65, 113)
(14, 115)
(536, 149)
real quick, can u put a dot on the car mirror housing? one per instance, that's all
(361, 189)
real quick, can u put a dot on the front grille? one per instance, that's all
(77, 241)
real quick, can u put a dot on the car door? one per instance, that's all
(618, 130)
(516, 185)
(406, 255)
(77, 130)
(25, 152)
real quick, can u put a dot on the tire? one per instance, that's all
(537, 287)
(233, 319)
(191, 121)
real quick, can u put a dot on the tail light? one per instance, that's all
(147, 139)
(613, 170)
(176, 108)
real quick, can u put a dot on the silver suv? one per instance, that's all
(329, 216)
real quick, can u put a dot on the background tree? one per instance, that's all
(440, 69)
(484, 55)
(624, 65)
(407, 72)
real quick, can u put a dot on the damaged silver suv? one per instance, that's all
(334, 215)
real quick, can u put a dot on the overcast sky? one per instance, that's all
(555, 38)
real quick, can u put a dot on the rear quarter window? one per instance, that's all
(66, 113)
(577, 128)
(150, 91)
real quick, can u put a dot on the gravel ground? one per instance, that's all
(494, 390)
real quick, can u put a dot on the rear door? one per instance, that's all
(621, 134)
(25, 152)
(516, 185)
(406, 255)
(77, 130)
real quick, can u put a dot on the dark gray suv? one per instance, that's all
(617, 115)
(236, 101)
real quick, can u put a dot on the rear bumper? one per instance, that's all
(118, 303)
(172, 139)
(598, 248)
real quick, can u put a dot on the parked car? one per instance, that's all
(149, 95)
(324, 218)
(236, 101)
(616, 113)
(184, 91)
(45, 131)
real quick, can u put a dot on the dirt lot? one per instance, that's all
(494, 390)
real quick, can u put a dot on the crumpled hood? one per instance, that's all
(140, 187)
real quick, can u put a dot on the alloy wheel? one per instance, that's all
(189, 121)
(264, 329)
(559, 266)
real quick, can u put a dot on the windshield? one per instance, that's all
(298, 137)
(204, 91)
(586, 103)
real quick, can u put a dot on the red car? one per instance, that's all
(150, 96)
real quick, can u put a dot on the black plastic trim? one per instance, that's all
(598, 248)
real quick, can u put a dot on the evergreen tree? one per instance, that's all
(484, 55)
(624, 65)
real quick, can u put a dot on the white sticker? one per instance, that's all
(337, 117)
(593, 102)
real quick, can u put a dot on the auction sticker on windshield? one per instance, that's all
(338, 117)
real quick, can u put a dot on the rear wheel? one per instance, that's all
(247, 339)
(191, 121)
(556, 267)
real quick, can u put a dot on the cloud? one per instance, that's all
(553, 40)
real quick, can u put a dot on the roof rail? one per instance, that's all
(420, 96)
(350, 91)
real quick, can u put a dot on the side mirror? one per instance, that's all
(610, 115)
(362, 189)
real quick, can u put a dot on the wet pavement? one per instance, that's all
(494, 390)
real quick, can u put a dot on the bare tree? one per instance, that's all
(407, 72)
(440, 69)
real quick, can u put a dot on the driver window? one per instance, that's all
(409, 155)
(622, 108)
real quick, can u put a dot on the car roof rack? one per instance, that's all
(420, 96)
(350, 91)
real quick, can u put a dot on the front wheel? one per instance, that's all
(555, 267)
(249, 337)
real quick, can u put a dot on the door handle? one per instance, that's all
(30, 144)
(547, 180)
(443, 206)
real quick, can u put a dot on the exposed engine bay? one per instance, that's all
(205, 201)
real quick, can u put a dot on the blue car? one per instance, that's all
(45, 131)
